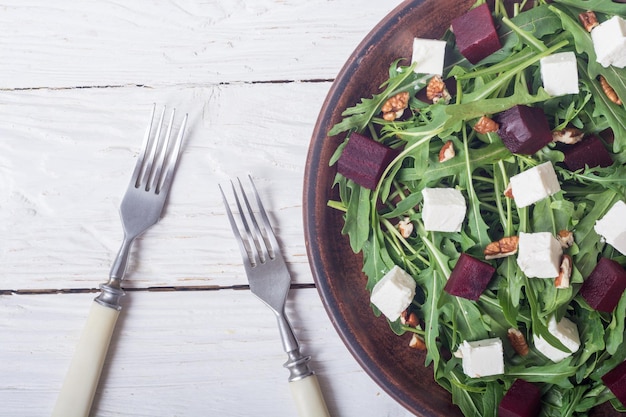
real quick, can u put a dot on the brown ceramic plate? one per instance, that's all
(386, 357)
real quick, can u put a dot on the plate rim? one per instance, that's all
(311, 202)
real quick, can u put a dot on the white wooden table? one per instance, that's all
(77, 83)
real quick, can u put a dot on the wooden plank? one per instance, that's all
(179, 354)
(66, 158)
(69, 44)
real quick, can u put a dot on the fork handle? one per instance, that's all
(308, 397)
(82, 378)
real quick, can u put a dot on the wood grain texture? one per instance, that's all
(65, 173)
(178, 42)
(77, 84)
(179, 354)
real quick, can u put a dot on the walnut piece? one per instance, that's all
(447, 152)
(486, 125)
(609, 91)
(569, 135)
(405, 227)
(502, 248)
(417, 342)
(588, 20)
(518, 341)
(395, 106)
(565, 273)
(436, 90)
(565, 238)
(409, 319)
(508, 191)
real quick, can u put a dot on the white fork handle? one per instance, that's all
(308, 397)
(82, 378)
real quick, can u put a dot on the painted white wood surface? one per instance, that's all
(66, 158)
(188, 353)
(77, 82)
(128, 43)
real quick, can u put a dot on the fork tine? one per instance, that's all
(172, 160)
(272, 242)
(144, 180)
(136, 176)
(262, 233)
(155, 176)
(255, 232)
(242, 241)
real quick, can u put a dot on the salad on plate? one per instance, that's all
(484, 185)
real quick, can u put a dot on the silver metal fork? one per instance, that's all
(141, 207)
(270, 281)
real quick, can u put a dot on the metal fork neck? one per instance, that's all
(112, 291)
(297, 364)
(118, 270)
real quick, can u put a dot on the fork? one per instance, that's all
(270, 281)
(141, 207)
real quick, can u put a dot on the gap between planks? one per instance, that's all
(172, 288)
(223, 83)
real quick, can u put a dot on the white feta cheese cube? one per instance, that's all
(534, 184)
(482, 357)
(393, 293)
(559, 74)
(429, 55)
(443, 210)
(612, 227)
(539, 255)
(609, 42)
(567, 333)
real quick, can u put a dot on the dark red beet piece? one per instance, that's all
(469, 278)
(615, 380)
(475, 34)
(363, 160)
(524, 129)
(605, 285)
(523, 399)
(590, 151)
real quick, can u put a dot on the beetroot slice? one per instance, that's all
(469, 278)
(590, 151)
(475, 34)
(523, 399)
(605, 285)
(615, 380)
(524, 129)
(363, 160)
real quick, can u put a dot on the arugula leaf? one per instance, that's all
(477, 226)
(602, 6)
(357, 117)
(357, 224)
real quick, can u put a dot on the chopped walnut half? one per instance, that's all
(518, 341)
(486, 125)
(588, 20)
(395, 106)
(565, 273)
(417, 342)
(609, 91)
(405, 227)
(447, 152)
(565, 238)
(409, 319)
(502, 248)
(569, 135)
(436, 90)
(508, 191)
